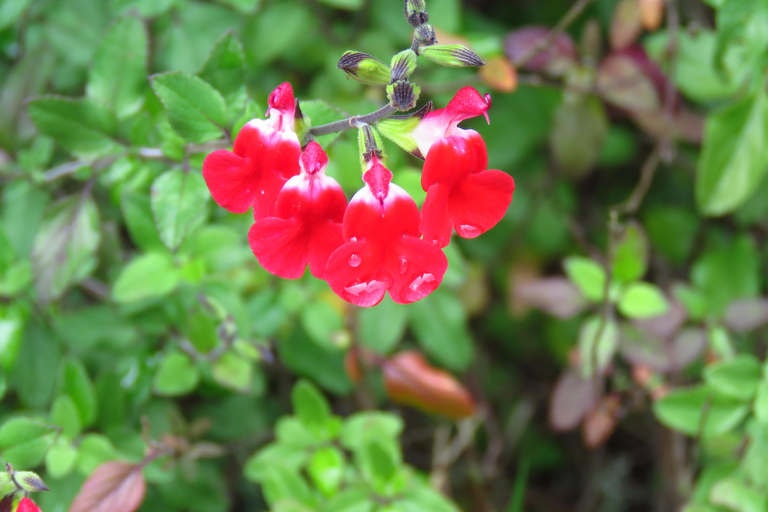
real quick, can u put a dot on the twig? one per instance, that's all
(569, 17)
(352, 122)
(630, 206)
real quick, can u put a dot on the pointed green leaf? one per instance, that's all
(180, 204)
(176, 375)
(149, 276)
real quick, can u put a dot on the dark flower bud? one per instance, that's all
(452, 55)
(425, 35)
(402, 65)
(403, 95)
(416, 12)
(364, 68)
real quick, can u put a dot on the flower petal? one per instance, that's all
(231, 180)
(435, 223)
(478, 202)
(281, 246)
(417, 267)
(355, 272)
(326, 238)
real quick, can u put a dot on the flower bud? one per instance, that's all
(402, 65)
(452, 55)
(403, 95)
(364, 68)
(416, 12)
(425, 35)
(399, 129)
(29, 481)
(369, 144)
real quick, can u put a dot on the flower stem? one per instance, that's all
(353, 122)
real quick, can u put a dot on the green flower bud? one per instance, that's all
(452, 55)
(403, 64)
(29, 481)
(369, 144)
(416, 12)
(403, 95)
(364, 68)
(399, 129)
(425, 35)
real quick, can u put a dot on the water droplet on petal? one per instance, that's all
(420, 281)
(367, 293)
(468, 230)
(353, 239)
(403, 265)
(354, 260)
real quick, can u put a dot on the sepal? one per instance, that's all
(403, 95)
(301, 122)
(369, 145)
(364, 68)
(452, 55)
(402, 65)
(425, 35)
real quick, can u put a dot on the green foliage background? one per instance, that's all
(126, 293)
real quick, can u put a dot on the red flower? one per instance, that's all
(383, 250)
(27, 505)
(266, 154)
(461, 193)
(306, 227)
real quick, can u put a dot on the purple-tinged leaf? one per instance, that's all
(554, 60)
(555, 295)
(747, 314)
(573, 398)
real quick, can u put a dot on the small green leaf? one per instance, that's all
(137, 211)
(587, 275)
(281, 483)
(380, 425)
(64, 252)
(77, 385)
(322, 322)
(23, 441)
(320, 112)
(642, 300)
(439, 323)
(64, 414)
(225, 67)
(180, 204)
(598, 341)
(310, 405)
(11, 10)
(326, 469)
(60, 459)
(732, 162)
(83, 126)
(260, 464)
(149, 276)
(761, 401)
(735, 378)
(377, 464)
(380, 328)
(176, 375)
(196, 110)
(682, 410)
(118, 75)
(233, 371)
(347, 5)
(630, 259)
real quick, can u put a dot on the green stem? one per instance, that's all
(353, 122)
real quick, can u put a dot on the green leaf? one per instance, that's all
(761, 401)
(382, 327)
(642, 300)
(630, 258)
(34, 374)
(377, 463)
(682, 410)
(347, 5)
(380, 425)
(326, 469)
(137, 212)
(196, 111)
(281, 483)
(64, 251)
(735, 378)
(118, 75)
(64, 414)
(233, 371)
(180, 204)
(23, 441)
(598, 342)
(149, 276)
(244, 6)
(423, 499)
(13, 317)
(732, 162)
(11, 10)
(60, 459)
(77, 385)
(577, 136)
(310, 405)
(85, 127)
(439, 323)
(587, 275)
(275, 454)
(176, 375)
(225, 67)
(307, 358)
(323, 323)
(738, 496)
(320, 112)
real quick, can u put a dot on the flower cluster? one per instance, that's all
(380, 241)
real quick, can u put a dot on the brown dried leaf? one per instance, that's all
(626, 24)
(622, 81)
(572, 399)
(409, 379)
(555, 295)
(651, 14)
(601, 422)
(499, 74)
(747, 314)
(113, 487)
(352, 366)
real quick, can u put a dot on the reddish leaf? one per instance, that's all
(572, 399)
(555, 60)
(625, 25)
(666, 325)
(747, 314)
(409, 379)
(113, 487)
(555, 295)
(651, 14)
(622, 81)
(601, 422)
(644, 348)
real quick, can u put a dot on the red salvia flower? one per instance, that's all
(306, 227)
(383, 249)
(265, 155)
(27, 505)
(461, 193)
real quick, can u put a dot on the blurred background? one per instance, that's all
(134, 317)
